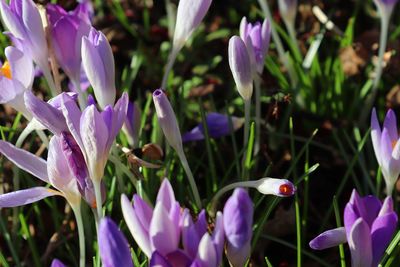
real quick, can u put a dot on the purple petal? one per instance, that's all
(178, 258)
(131, 125)
(72, 116)
(207, 255)
(57, 263)
(218, 237)
(118, 118)
(45, 113)
(162, 229)
(143, 211)
(54, 13)
(26, 196)
(239, 63)
(137, 230)
(360, 244)
(328, 239)
(376, 136)
(166, 194)
(390, 124)
(387, 206)
(382, 232)
(12, 21)
(113, 246)
(243, 28)
(372, 206)
(25, 160)
(190, 237)
(157, 260)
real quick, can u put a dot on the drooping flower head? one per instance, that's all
(386, 147)
(218, 125)
(257, 38)
(368, 228)
(239, 62)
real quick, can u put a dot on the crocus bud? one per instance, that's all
(113, 246)
(387, 147)
(257, 46)
(190, 14)
(167, 119)
(239, 62)
(273, 186)
(67, 30)
(288, 10)
(131, 126)
(98, 63)
(238, 222)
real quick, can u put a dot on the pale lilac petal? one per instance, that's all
(131, 126)
(218, 237)
(239, 62)
(137, 230)
(382, 232)
(350, 216)
(243, 28)
(376, 136)
(113, 246)
(190, 237)
(166, 194)
(143, 211)
(60, 174)
(26, 196)
(21, 66)
(25, 160)
(189, 15)
(107, 58)
(11, 21)
(162, 229)
(8, 92)
(360, 244)
(328, 239)
(72, 116)
(390, 124)
(49, 116)
(206, 253)
(118, 118)
(387, 206)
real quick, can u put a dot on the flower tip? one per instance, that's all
(287, 189)
(158, 93)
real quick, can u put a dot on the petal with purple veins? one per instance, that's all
(26, 196)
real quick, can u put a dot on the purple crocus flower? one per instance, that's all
(16, 77)
(189, 15)
(131, 126)
(240, 64)
(113, 246)
(67, 30)
(22, 19)
(57, 263)
(257, 38)
(386, 147)
(218, 125)
(368, 228)
(238, 222)
(98, 63)
(158, 232)
(55, 172)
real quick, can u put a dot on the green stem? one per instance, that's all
(81, 234)
(189, 174)
(247, 106)
(171, 60)
(257, 86)
(97, 192)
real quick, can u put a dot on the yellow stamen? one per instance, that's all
(5, 70)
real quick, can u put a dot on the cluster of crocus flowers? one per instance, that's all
(386, 147)
(368, 229)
